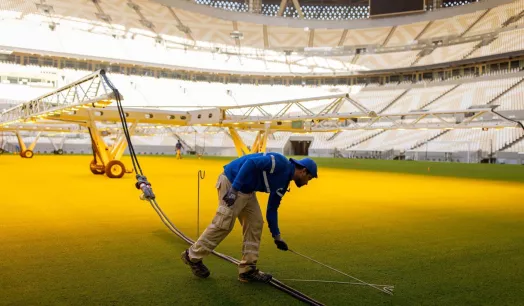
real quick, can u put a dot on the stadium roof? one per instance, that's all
(179, 18)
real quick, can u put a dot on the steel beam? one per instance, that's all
(44, 128)
(241, 148)
(282, 7)
(111, 114)
(74, 104)
(296, 4)
(90, 91)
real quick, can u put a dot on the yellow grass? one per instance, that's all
(378, 225)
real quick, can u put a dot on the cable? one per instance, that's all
(333, 282)
(336, 270)
(93, 146)
(125, 128)
(145, 186)
(274, 282)
(134, 159)
(512, 120)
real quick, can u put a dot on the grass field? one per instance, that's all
(450, 235)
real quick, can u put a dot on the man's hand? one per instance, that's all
(230, 197)
(281, 244)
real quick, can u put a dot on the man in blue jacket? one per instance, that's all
(271, 173)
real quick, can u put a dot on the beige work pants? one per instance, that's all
(247, 210)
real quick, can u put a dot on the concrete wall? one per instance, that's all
(510, 158)
(460, 157)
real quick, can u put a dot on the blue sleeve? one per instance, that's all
(272, 213)
(261, 163)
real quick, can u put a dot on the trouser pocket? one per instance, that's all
(223, 217)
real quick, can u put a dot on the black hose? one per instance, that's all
(274, 282)
(125, 128)
(512, 120)
(93, 146)
(138, 170)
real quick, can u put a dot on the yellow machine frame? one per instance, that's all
(91, 106)
(259, 145)
(106, 159)
(27, 152)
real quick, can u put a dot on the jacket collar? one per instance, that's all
(291, 171)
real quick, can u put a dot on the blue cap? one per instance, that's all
(308, 163)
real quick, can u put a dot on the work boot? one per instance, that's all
(254, 275)
(198, 268)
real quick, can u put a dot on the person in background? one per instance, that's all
(178, 147)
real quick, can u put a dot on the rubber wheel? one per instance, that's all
(96, 169)
(27, 154)
(60, 152)
(115, 169)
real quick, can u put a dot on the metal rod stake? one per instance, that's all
(201, 176)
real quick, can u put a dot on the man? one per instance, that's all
(271, 173)
(178, 147)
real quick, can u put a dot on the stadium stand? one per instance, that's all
(457, 94)
(342, 140)
(446, 54)
(476, 93)
(395, 140)
(416, 98)
(453, 26)
(80, 34)
(390, 60)
(375, 99)
(473, 140)
(406, 34)
(518, 145)
(512, 100)
(366, 36)
(506, 42)
(496, 17)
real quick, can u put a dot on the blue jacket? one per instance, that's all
(270, 172)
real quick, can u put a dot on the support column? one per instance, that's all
(259, 146)
(282, 8)
(108, 160)
(264, 139)
(58, 147)
(99, 145)
(262, 142)
(257, 143)
(239, 144)
(33, 144)
(21, 143)
(121, 144)
(27, 152)
(255, 6)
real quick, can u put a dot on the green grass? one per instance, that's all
(72, 238)
(514, 173)
(499, 172)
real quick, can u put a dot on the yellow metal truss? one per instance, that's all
(259, 145)
(91, 97)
